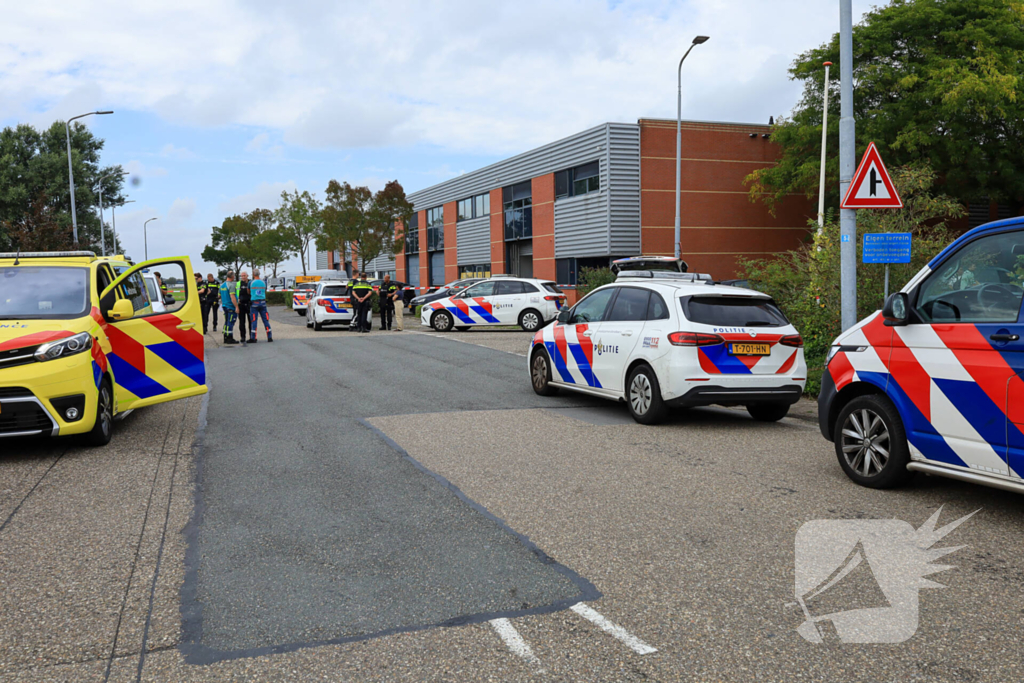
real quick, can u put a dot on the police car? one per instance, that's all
(500, 300)
(661, 340)
(933, 382)
(329, 304)
(301, 295)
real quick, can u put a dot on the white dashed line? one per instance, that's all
(632, 642)
(514, 641)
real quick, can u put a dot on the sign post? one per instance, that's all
(886, 247)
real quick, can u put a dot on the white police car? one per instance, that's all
(500, 300)
(329, 304)
(301, 295)
(659, 340)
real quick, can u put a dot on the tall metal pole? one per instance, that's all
(103, 239)
(824, 140)
(847, 163)
(679, 131)
(71, 172)
(145, 239)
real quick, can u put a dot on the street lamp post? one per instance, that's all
(679, 131)
(103, 239)
(71, 173)
(113, 219)
(824, 140)
(145, 239)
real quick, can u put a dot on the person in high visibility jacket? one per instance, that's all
(229, 301)
(258, 306)
(362, 291)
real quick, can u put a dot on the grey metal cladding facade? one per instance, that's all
(321, 260)
(381, 264)
(555, 156)
(606, 223)
(473, 239)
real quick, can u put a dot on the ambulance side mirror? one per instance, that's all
(121, 310)
(896, 310)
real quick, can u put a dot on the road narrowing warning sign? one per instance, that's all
(871, 188)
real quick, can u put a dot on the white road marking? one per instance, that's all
(514, 641)
(632, 642)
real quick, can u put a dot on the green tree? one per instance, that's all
(34, 183)
(358, 221)
(228, 243)
(301, 214)
(276, 245)
(939, 82)
(805, 282)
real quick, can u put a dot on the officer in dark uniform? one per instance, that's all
(351, 284)
(212, 298)
(362, 292)
(244, 295)
(387, 302)
(201, 290)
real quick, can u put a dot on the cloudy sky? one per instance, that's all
(219, 106)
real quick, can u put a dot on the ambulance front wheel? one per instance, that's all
(871, 443)
(103, 428)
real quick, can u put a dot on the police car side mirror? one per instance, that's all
(896, 310)
(564, 315)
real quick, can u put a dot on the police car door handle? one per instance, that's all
(627, 333)
(1004, 337)
(588, 333)
(186, 326)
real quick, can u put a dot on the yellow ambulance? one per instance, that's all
(81, 343)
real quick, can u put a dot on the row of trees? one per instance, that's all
(353, 220)
(35, 207)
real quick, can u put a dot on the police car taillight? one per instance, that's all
(792, 340)
(323, 303)
(694, 339)
(554, 298)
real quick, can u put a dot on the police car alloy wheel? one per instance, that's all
(442, 321)
(540, 374)
(529, 320)
(643, 396)
(871, 444)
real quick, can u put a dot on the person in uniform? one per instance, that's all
(244, 295)
(258, 306)
(362, 291)
(386, 295)
(201, 291)
(229, 302)
(212, 295)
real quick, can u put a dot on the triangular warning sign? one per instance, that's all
(872, 187)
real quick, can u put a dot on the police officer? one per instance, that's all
(212, 297)
(386, 297)
(229, 302)
(244, 296)
(362, 291)
(201, 291)
(258, 306)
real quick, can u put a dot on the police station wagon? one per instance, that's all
(664, 340)
(500, 300)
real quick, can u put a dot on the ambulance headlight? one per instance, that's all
(64, 347)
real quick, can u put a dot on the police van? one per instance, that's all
(933, 382)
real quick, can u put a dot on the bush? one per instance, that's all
(591, 278)
(805, 283)
(279, 298)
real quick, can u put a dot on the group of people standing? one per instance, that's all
(360, 293)
(244, 301)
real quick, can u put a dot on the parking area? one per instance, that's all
(402, 506)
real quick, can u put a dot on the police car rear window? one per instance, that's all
(552, 287)
(733, 311)
(333, 291)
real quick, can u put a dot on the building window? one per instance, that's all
(412, 235)
(477, 270)
(518, 206)
(567, 270)
(474, 207)
(435, 229)
(582, 179)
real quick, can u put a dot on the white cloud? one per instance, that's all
(258, 143)
(180, 153)
(137, 169)
(483, 77)
(181, 210)
(265, 196)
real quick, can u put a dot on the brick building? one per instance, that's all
(604, 193)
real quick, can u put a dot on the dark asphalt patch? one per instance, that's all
(312, 528)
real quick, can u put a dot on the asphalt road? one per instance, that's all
(290, 537)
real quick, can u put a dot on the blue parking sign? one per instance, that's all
(886, 247)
